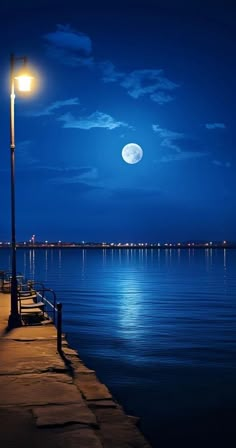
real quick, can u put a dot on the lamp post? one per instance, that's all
(24, 85)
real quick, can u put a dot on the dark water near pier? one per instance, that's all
(159, 328)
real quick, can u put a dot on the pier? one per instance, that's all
(51, 399)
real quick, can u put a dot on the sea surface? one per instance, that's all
(159, 328)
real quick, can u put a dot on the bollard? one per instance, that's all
(59, 326)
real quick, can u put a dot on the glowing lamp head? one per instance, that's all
(24, 82)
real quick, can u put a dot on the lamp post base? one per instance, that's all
(14, 321)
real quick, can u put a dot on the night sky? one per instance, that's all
(157, 73)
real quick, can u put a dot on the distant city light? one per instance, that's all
(106, 245)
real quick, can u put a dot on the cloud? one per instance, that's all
(69, 46)
(161, 97)
(170, 142)
(75, 48)
(223, 164)
(211, 126)
(60, 173)
(82, 171)
(109, 72)
(184, 155)
(169, 138)
(66, 37)
(49, 110)
(84, 176)
(95, 120)
(85, 179)
(167, 133)
(140, 83)
(75, 175)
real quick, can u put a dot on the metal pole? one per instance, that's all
(14, 318)
(59, 326)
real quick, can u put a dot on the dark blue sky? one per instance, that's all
(157, 73)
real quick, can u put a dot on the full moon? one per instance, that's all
(132, 153)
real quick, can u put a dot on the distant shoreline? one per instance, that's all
(108, 246)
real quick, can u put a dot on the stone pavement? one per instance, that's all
(55, 401)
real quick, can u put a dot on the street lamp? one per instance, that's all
(24, 85)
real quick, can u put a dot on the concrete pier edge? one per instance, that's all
(52, 400)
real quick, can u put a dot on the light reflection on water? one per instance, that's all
(157, 325)
(130, 307)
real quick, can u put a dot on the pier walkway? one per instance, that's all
(48, 400)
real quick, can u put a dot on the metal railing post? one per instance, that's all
(54, 307)
(59, 326)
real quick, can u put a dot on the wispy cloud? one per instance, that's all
(75, 175)
(172, 142)
(109, 72)
(140, 83)
(161, 97)
(184, 155)
(95, 120)
(86, 176)
(69, 46)
(211, 126)
(169, 138)
(221, 164)
(167, 133)
(74, 48)
(49, 110)
(82, 171)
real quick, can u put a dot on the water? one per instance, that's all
(158, 326)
